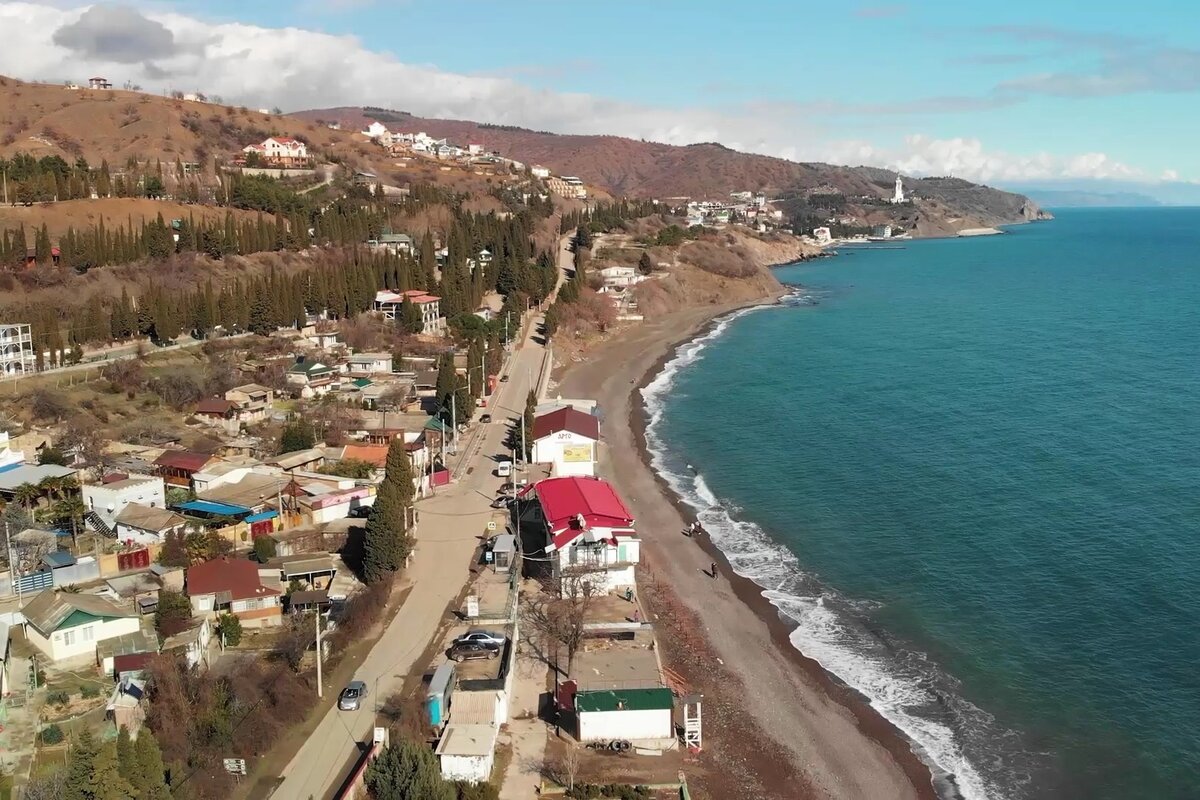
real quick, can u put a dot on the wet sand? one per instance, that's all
(776, 724)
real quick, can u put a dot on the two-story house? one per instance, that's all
(251, 402)
(388, 304)
(589, 532)
(313, 378)
(105, 501)
(280, 151)
(233, 585)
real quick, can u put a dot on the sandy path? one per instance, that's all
(841, 747)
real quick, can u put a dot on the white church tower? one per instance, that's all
(898, 196)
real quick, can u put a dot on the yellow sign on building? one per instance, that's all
(577, 453)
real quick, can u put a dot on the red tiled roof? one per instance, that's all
(565, 500)
(185, 460)
(566, 419)
(215, 405)
(236, 576)
(113, 477)
(372, 453)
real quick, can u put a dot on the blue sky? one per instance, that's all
(1008, 92)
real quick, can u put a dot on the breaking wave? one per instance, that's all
(902, 685)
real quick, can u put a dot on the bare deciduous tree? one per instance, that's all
(560, 619)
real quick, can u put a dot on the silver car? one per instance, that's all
(351, 697)
(483, 637)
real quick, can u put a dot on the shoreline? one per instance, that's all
(840, 745)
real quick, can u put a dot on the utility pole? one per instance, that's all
(12, 565)
(454, 421)
(317, 623)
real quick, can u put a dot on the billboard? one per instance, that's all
(576, 453)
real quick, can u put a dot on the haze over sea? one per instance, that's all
(971, 473)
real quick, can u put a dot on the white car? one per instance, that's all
(483, 637)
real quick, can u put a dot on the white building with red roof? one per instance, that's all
(280, 151)
(590, 534)
(388, 304)
(566, 438)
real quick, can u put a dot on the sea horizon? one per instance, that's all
(1004, 386)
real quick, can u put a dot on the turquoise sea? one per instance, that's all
(969, 470)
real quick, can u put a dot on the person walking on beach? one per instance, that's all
(713, 570)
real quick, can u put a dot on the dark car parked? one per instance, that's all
(471, 651)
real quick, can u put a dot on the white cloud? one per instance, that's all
(1169, 175)
(294, 69)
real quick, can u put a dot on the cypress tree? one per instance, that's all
(106, 781)
(42, 245)
(79, 768)
(387, 542)
(428, 263)
(126, 759)
(150, 783)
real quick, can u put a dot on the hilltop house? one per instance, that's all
(589, 531)
(392, 243)
(280, 151)
(233, 585)
(64, 625)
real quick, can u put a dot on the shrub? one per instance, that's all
(58, 698)
(229, 628)
(51, 734)
(89, 690)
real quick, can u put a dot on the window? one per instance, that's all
(88, 634)
(68, 638)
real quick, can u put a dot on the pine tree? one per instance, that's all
(387, 542)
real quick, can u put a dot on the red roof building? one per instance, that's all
(233, 585)
(566, 419)
(216, 407)
(176, 467)
(590, 533)
(575, 506)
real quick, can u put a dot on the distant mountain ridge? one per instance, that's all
(1067, 198)
(709, 170)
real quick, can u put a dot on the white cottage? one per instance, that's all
(566, 438)
(64, 625)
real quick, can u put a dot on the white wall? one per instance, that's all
(475, 769)
(84, 637)
(108, 502)
(608, 725)
(549, 450)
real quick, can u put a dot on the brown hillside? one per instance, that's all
(82, 214)
(45, 119)
(627, 166)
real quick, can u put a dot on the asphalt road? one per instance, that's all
(451, 523)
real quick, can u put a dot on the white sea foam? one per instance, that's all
(902, 686)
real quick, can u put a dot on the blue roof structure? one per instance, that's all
(262, 515)
(216, 509)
